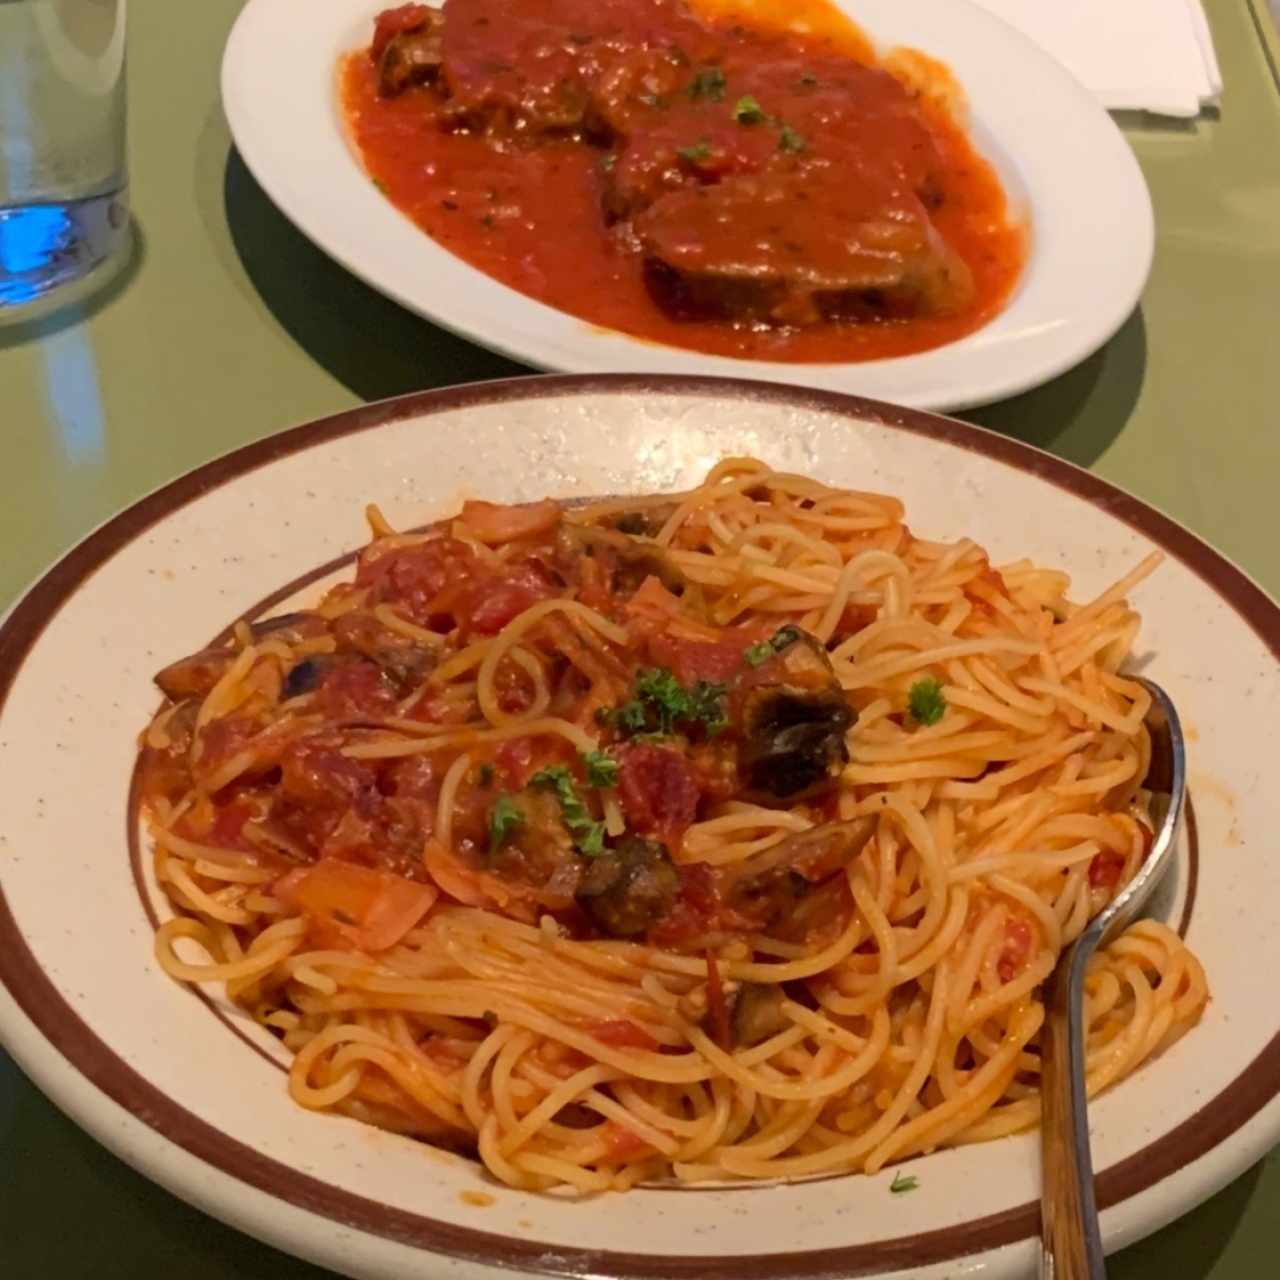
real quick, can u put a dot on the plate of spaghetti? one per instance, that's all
(860, 195)
(662, 794)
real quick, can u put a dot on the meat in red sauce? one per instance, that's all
(712, 184)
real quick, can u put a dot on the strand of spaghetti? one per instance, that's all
(1117, 591)
(1091, 707)
(554, 1102)
(933, 1126)
(269, 947)
(448, 793)
(488, 698)
(391, 749)
(806, 1091)
(880, 670)
(845, 1154)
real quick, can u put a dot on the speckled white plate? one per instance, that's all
(191, 1094)
(1067, 169)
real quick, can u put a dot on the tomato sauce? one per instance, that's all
(531, 215)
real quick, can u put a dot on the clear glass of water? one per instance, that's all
(64, 211)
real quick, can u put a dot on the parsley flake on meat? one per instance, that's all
(588, 834)
(707, 705)
(697, 152)
(708, 85)
(792, 141)
(504, 818)
(925, 702)
(664, 695)
(748, 111)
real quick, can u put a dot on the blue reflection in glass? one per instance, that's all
(31, 240)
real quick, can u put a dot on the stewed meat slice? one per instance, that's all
(735, 250)
(408, 47)
(563, 66)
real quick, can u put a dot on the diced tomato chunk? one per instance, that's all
(658, 791)
(491, 603)
(223, 738)
(694, 660)
(1105, 869)
(317, 775)
(368, 909)
(393, 22)
(622, 1032)
(1019, 937)
(654, 601)
(515, 759)
(494, 524)
(697, 909)
(414, 577)
(624, 1143)
(228, 827)
(355, 689)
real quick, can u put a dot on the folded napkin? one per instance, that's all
(1141, 55)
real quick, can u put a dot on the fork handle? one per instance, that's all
(1071, 1244)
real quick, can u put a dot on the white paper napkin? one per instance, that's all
(1144, 55)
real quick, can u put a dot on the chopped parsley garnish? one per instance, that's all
(708, 84)
(665, 696)
(925, 701)
(602, 769)
(783, 638)
(903, 1183)
(699, 151)
(504, 818)
(661, 702)
(484, 774)
(792, 141)
(629, 718)
(607, 161)
(707, 705)
(588, 834)
(748, 111)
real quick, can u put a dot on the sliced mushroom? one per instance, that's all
(629, 888)
(757, 1014)
(194, 675)
(793, 719)
(775, 888)
(630, 561)
(406, 663)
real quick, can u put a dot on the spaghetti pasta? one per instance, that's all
(724, 835)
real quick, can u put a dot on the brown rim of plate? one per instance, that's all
(58, 1022)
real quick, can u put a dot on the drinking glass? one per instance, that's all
(64, 210)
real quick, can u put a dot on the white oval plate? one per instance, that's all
(1065, 165)
(198, 1102)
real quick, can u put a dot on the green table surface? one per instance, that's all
(227, 325)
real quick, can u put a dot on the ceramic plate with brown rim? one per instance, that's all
(198, 1102)
(1082, 200)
